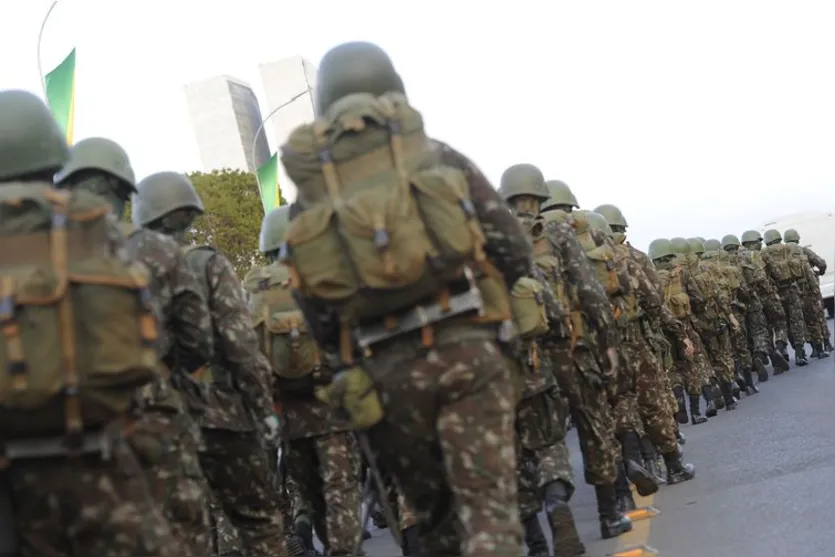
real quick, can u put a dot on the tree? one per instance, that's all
(232, 221)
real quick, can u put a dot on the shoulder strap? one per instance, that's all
(197, 258)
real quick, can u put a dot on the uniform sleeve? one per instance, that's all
(507, 245)
(815, 260)
(646, 266)
(190, 321)
(697, 298)
(654, 306)
(556, 312)
(236, 338)
(578, 273)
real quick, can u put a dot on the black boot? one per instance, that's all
(651, 460)
(681, 411)
(304, 532)
(779, 362)
(637, 474)
(827, 345)
(411, 541)
(737, 386)
(677, 471)
(680, 437)
(750, 388)
(695, 417)
(566, 539)
(816, 353)
(612, 523)
(800, 356)
(822, 353)
(727, 394)
(534, 537)
(717, 401)
(710, 401)
(762, 373)
(623, 495)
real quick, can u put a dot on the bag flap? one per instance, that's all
(285, 322)
(527, 287)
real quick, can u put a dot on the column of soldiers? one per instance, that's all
(412, 319)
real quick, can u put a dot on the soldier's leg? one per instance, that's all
(167, 450)
(556, 479)
(236, 466)
(795, 323)
(431, 452)
(408, 524)
(339, 466)
(530, 502)
(302, 464)
(105, 507)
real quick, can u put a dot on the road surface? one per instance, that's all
(764, 486)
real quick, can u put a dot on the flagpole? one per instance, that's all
(40, 36)
(261, 129)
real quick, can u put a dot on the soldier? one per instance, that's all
(813, 312)
(321, 457)
(560, 197)
(575, 356)
(105, 508)
(166, 438)
(786, 270)
(773, 311)
(618, 225)
(420, 372)
(683, 297)
(239, 403)
(543, 468)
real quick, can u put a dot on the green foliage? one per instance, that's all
(233, 216)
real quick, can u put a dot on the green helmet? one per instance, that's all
(713, 245)
(660, 248)
(702, 240)
(598, 222)
(161, 193)
(730, 241)
(612, 214)
(772, 236)
(98, 153)
(791, 236)
(354, 67)
(560, 194)
(31, 141)
(751, 236)
(523, 179)
(680, 245)
(273, 228)
(697, 246)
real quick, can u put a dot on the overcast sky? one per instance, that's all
(697, 118)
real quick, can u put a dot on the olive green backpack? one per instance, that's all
(280, 326)
(384, 225)
(602, 257)
(78, 324)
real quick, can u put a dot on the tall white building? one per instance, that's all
(225, 116)
(285, 80)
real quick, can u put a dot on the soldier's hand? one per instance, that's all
(689, 349)
(734, 322)
(612, 355)
(273, 428)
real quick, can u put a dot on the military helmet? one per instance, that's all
(598, 222)
(751, 236)
(273, 228)
(31, 141)
(791, 236)
(771, 236)
(697, 246)
(702, 240)
(559, 194)
(612, 214)
(730, 241)
(523, 179)
(660, 248)
(99, 153)
(354, 67)
(161, 193)
(713, 245)
(680, 245)
(557, 215)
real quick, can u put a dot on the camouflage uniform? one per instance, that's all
(766, 290)
(816, 261)
(775, 256)
(760, 342)
(741, 297)
(813, 313)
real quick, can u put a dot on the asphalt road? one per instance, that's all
(764, 486)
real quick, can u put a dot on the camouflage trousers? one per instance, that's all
(739, 340)
(625, 409)
(651, 386)
(691, 373)
(529, 494)
(793, 306)
(447, 438)
(718, 346)
(166, 444)
(759, 342)
(244, 485)
(87, 506)
(326, 472)
(579, 375)
(814, 316)
(775, 317)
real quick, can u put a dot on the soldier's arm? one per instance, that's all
(236, 337)
(507, 245)
(595, 304)
(553, 307)
(646, 266)
(190, 320)
(815, 260)
(654, 305)
(697, 297)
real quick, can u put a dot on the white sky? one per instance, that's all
(696, 118)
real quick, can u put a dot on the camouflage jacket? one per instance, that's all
(815, 260)
(305, 417)
(236, 355)
(508, 248)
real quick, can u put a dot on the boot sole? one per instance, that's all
(644, 482)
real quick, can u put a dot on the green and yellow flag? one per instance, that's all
(60, 94)
(268, 180)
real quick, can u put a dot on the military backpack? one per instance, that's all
(78, 323)
(601, 256)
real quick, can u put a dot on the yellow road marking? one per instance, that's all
(634, 543)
